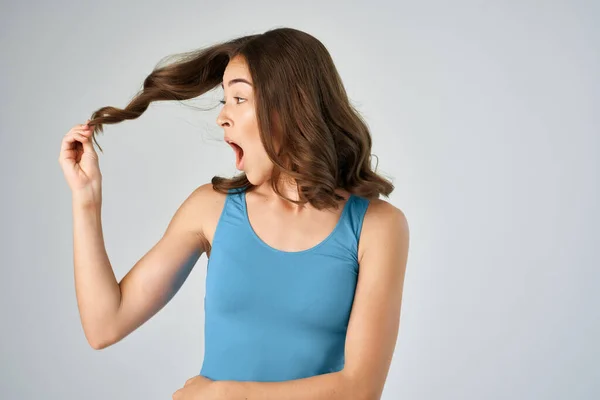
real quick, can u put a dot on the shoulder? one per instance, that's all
(204, 205)
(381, 210)
(205, 194)
(204, 199)
(383, 223)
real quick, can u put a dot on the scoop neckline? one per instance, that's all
(311, 249)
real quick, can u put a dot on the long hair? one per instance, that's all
(309, 129)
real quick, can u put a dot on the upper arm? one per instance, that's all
(161, 272)
(375, 316)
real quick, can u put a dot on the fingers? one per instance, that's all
(79, 133)
(84, 125)
(86, 140)
(74, 135)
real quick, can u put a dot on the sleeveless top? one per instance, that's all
(273, 315)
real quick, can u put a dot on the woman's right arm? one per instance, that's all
(109, 310)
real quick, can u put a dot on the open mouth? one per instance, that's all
(239, 155)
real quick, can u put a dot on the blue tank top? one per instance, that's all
(273, 315)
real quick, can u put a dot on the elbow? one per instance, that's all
(98, 343)
(100, 333)
(360, 389)
(371, 392)
(99, 340)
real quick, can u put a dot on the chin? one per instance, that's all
(257, 179)
(250, 177)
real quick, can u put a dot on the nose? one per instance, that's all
(222, 119)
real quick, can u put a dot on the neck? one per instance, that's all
(290, 190)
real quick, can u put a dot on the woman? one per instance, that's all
(287, 313)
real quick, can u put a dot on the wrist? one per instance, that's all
(86, 199)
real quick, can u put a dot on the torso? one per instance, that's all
(273, 227)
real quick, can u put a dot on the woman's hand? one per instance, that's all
(198, 388)
(79, 161)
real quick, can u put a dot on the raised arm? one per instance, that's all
(109, 310)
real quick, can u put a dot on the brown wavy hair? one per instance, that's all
(308, 127)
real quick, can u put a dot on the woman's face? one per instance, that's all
(238, 119)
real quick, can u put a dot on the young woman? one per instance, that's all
(306, 264)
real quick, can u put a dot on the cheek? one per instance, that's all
(258, 160)
(258, 154)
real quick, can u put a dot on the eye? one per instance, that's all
(240, 98)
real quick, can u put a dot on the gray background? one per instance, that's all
(485, 114)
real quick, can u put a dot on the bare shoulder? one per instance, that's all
(206, 205)
(383, 222)
(206, 197)
(380, 209)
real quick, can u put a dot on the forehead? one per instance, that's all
(236, 68)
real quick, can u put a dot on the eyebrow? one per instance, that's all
(236, 80)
